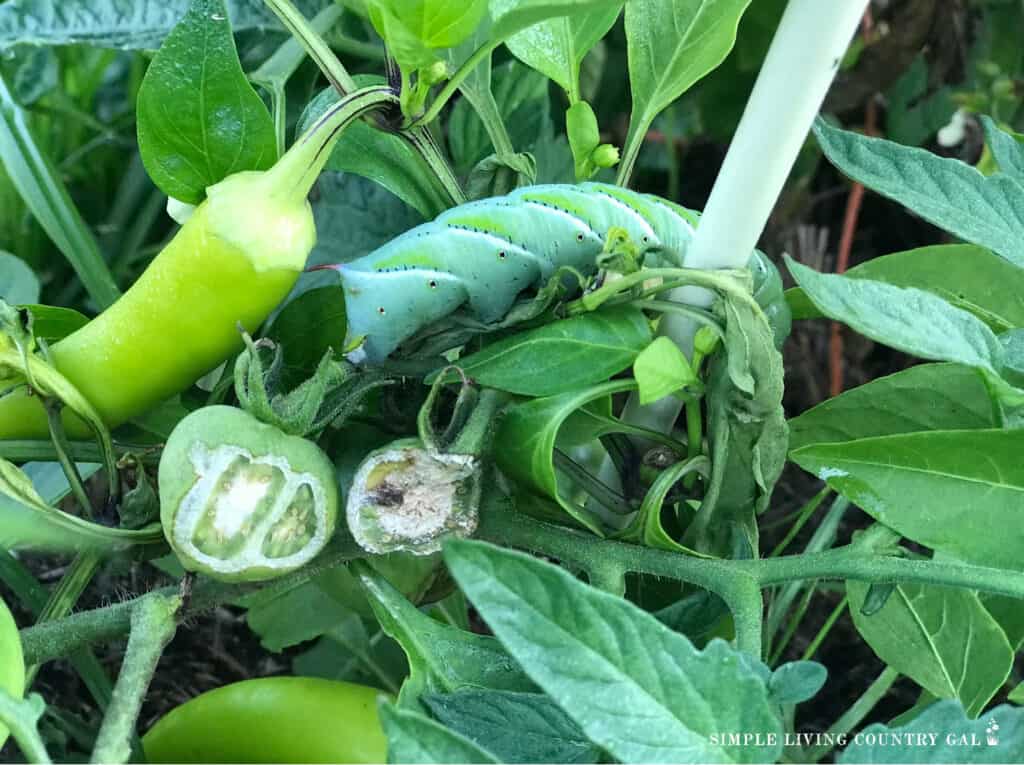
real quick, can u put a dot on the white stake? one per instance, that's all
(803, 59)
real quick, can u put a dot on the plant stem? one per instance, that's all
(52, 640)
(64, 597)
(61, 446)
(423, 142)
(801, 63)
(804, 515)
(825, 629)
(153, 624)
(318, 50)
(22, 717)
(856, 713)
(38, 450)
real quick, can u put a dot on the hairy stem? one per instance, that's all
(153, 624)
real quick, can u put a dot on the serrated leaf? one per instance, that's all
(121, 24)
(637, 689)
(944, 734)
(199, 118)
(985, 210)
(797, 681)
(415, 738)
(516, 727)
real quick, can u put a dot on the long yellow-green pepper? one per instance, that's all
(231, 263)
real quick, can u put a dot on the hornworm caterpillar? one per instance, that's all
(483, 254)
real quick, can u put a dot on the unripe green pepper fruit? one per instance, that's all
(12, 663)
(242, 501)
(272, 719)
(408, 498)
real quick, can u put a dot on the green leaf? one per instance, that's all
(797, 681)
(943, 735)
(441, 657)
(307, 327)
(985, 210)
(28, 522)
(671, 45)
(415, 738)
(199, 119)
(527, 434)
(1013, 345)
(51, 323)
(910, 320)
(562, 356)
(1007, 148)
(286, 617)
(523, 104)
(934, 488)
(942, 638)
(414, 29)
(660, 370)
(18, 282)
(382, 157)
(1016, 696)
(924, 397)
(517, 727)
(122, 24)
(39, 185)
(964, 275)
(526, 13)
(635, 688)
(556, 47)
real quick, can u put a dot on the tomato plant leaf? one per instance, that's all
(947, 735)
(120, 24)
(964, 275)
(517, 727)
(415, 738)
(924, 397)
(1006, 147)
(561, 356)
(635, 688)
(908, 319)
(984, 210)
(442, 658)
(940, 637)
(926, 487)
(797, 681)
(199, 119)
(556, 47)
(52, 323)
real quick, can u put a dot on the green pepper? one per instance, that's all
(272, 719)
(231, 263)
(242, 501)
(12, 664)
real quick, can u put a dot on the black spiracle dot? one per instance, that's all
(502, 255)
(579, 237)
(381, 311)
(433, 284)
(646, 239)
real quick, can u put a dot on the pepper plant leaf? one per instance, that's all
(199, 119)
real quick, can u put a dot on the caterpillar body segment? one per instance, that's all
(483, 254)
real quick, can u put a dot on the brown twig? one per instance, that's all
(853, 206)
